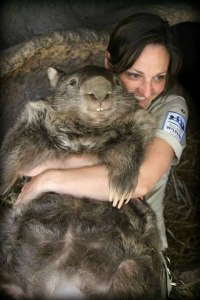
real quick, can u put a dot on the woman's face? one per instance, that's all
(146, 78)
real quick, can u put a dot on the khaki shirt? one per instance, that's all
(171, 113)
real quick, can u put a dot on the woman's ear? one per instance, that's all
(106, 59)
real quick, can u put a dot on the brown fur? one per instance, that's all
(59, 246)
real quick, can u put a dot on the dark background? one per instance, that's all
(20, 20)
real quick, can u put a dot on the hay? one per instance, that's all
(182, 208)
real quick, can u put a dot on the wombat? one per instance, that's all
(89, 112)
(59, 246)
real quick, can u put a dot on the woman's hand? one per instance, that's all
(48, 181)
(34, 188)
(43, 176)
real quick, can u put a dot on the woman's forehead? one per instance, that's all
(153, 57)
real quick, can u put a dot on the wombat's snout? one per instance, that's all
(99, 97)
(99, 93)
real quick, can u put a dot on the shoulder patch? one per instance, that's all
(174, 124)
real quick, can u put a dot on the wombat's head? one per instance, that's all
(91, 92)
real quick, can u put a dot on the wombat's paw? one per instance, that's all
(118, 200)
(122, 185)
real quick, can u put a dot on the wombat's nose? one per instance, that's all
(100, 96)
(98, 88)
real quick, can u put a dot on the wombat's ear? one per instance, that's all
(54, 75)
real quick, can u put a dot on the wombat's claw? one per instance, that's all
(126, 200)
(118, 200)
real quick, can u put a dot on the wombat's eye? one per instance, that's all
(73, 82)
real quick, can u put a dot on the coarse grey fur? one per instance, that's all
(89, 113)
(59, 246)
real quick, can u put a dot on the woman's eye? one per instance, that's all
(134, 75)
(160, 77)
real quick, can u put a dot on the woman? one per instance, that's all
(142, 52)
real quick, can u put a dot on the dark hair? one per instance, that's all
(133, 34)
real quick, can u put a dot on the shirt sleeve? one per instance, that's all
(172, 116)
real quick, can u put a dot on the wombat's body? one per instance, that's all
(89, 113)
(61, 247)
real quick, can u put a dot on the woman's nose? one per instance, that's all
(145, 89)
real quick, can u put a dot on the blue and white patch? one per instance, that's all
(175, 125)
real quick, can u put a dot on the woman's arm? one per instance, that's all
(70, 162)
(159, 156)
(92, 180)
(89, 181)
